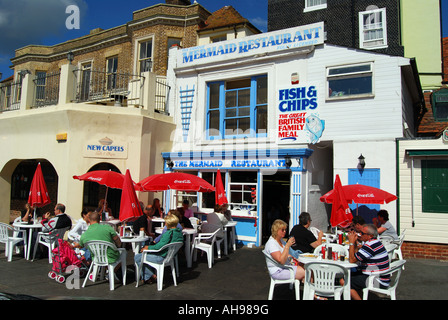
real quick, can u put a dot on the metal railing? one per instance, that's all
(46, 87)
(162, 92)
(104, 87)
(10, 95)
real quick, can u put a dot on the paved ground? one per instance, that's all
(240, 276)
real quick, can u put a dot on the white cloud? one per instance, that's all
(24, 22)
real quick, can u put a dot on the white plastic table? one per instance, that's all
(136, 242)
(31, 227)
(308, 257)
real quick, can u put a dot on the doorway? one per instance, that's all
(276, 195)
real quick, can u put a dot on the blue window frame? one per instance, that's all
(237, 108)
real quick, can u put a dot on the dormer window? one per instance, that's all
(372, 29)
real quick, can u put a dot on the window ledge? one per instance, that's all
(314, 8)
(350, 97)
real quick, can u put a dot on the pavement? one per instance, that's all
(240, 276)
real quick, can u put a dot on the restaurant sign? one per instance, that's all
(298, 119)
(106, 148)
(297, 37)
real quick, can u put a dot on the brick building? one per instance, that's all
(107, 85)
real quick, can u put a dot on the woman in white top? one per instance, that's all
(81, 226)
(279, 250)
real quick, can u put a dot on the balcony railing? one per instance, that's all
(103, 87)
(10, 94)
(47, 89)
(87, 86)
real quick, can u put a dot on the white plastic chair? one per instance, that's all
(292, 277)
(98, 250)
(194, 222)
(320, 279)
(395, 271)
(390, 248)
(204, 242)
(334, 246)
(170, 260)
(49, 239)
(10, 237)
(397, 252)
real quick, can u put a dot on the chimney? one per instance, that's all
(179, 2)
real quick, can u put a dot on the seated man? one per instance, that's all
(305, 240)
(60, 221)
(102, 232)
(372, 257)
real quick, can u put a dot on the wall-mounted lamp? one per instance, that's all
(361, 162)
(70, 57)
(1, 74)
(288, 161)
(169, 163)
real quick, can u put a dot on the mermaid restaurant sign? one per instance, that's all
(297, 37)
(106, 148)
(298, 118)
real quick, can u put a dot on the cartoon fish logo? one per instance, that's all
(315, 127)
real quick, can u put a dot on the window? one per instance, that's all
(84, 84)
(435, 186)
(372, 29)
(144, 57)
(237, 108)
(351, 81)
(311, 5)
(219, 38)
(41, 79)
(243, 190)
(112, 66)
(439, 101)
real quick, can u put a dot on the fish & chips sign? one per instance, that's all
(303, 36)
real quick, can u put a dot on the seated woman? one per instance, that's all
(81, 226)
(173, 234)
(279, 251)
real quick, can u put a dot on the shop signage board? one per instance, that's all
(298, 119)
(260, 44)
(105, 148)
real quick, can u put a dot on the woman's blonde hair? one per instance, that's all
(171, 221)
(277, 225)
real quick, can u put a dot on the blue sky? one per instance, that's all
(21, 26)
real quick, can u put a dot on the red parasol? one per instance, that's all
(38, 196)
(175, 181)
(340, 211)
(108, 178)
(129, 206)
(359, 193)
(220, 193)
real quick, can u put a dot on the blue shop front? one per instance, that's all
(261, 186)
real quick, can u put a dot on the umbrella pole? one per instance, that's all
(104, 204)
(34, 215)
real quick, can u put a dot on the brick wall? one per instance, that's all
(341, 20)
(445, 59)
(417, 250)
